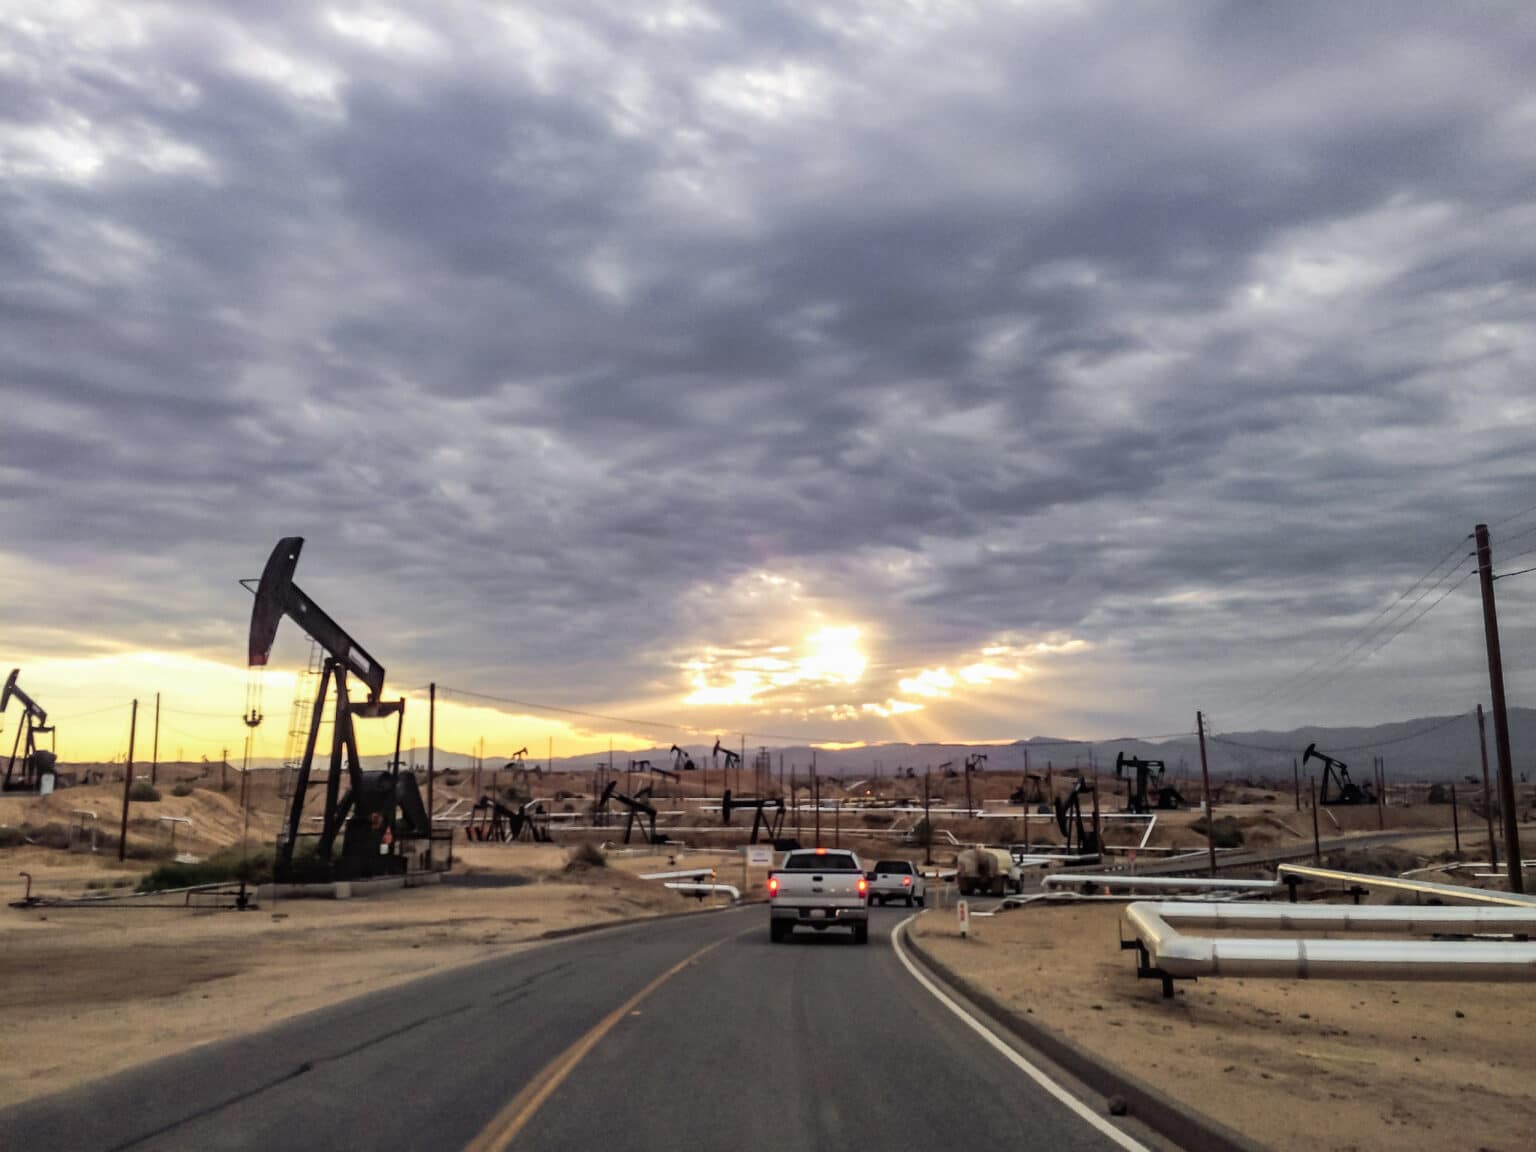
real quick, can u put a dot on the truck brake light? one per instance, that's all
(773, 886)
(863, 886)
(906, 881)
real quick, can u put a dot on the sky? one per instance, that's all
(824, 372)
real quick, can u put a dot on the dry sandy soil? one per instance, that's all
(87, 992)
(1343, 1066)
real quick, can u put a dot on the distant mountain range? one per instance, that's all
(1428, 748)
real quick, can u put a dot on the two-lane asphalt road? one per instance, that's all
(679, 1034)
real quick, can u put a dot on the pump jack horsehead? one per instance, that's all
(380, 808)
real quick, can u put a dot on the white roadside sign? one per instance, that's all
(759, 856)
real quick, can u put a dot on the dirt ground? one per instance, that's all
(86, 992)
(1296, 1065)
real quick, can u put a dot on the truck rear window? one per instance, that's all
(900, 867)
(821, 862)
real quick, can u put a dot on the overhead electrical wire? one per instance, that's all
(1514, 515)
(1343, 654)
(1414, 735)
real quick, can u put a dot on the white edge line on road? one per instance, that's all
(1122, 1139)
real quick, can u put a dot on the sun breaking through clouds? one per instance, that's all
(760, 364)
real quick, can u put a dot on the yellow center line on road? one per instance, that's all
(512, 1119)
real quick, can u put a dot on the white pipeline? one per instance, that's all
(1161, 883)
(1180, 956)
(1459, 892)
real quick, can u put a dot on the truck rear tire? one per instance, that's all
(778, 931)
(861, 932)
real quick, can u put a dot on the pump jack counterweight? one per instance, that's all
(379, 809)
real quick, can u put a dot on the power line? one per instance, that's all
(1358, 653)
(1446, 723)
(1521, 572)
(1426, 730)
(1348, 645)
(1516, 556)
(1514, 516)
(1508, 540)
(1428, 608)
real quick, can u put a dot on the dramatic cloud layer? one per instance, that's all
(849, 371)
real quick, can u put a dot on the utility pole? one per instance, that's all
(154, 762)
(927, 819)
(1381, 793)
(794, 799)
(1317, 843)
(1296, 780)
(1210, 809)
(431, 760)
(741, 761)
(1500, 713)
(1455, 822)
(1482, 743)
(122, 835)
(245, 796)
(223, 771)
(816, 798)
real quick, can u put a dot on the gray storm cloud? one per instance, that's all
(1194, 334)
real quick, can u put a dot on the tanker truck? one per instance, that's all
(980, 870)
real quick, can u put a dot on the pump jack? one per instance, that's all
(1030, 792)
(379, 808)
(761, 821)
(35, 762)
(1336, 772)
(732, 759)
(637, 805)
(973, 765)
(1138, 798)
(1069, 818)
(498, 822)
(681, 761)
(522, 773)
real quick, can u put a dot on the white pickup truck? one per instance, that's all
(897, 880)
(818, 888)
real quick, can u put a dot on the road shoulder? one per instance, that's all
(1174, 1122)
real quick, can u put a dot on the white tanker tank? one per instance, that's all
(980, 870)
